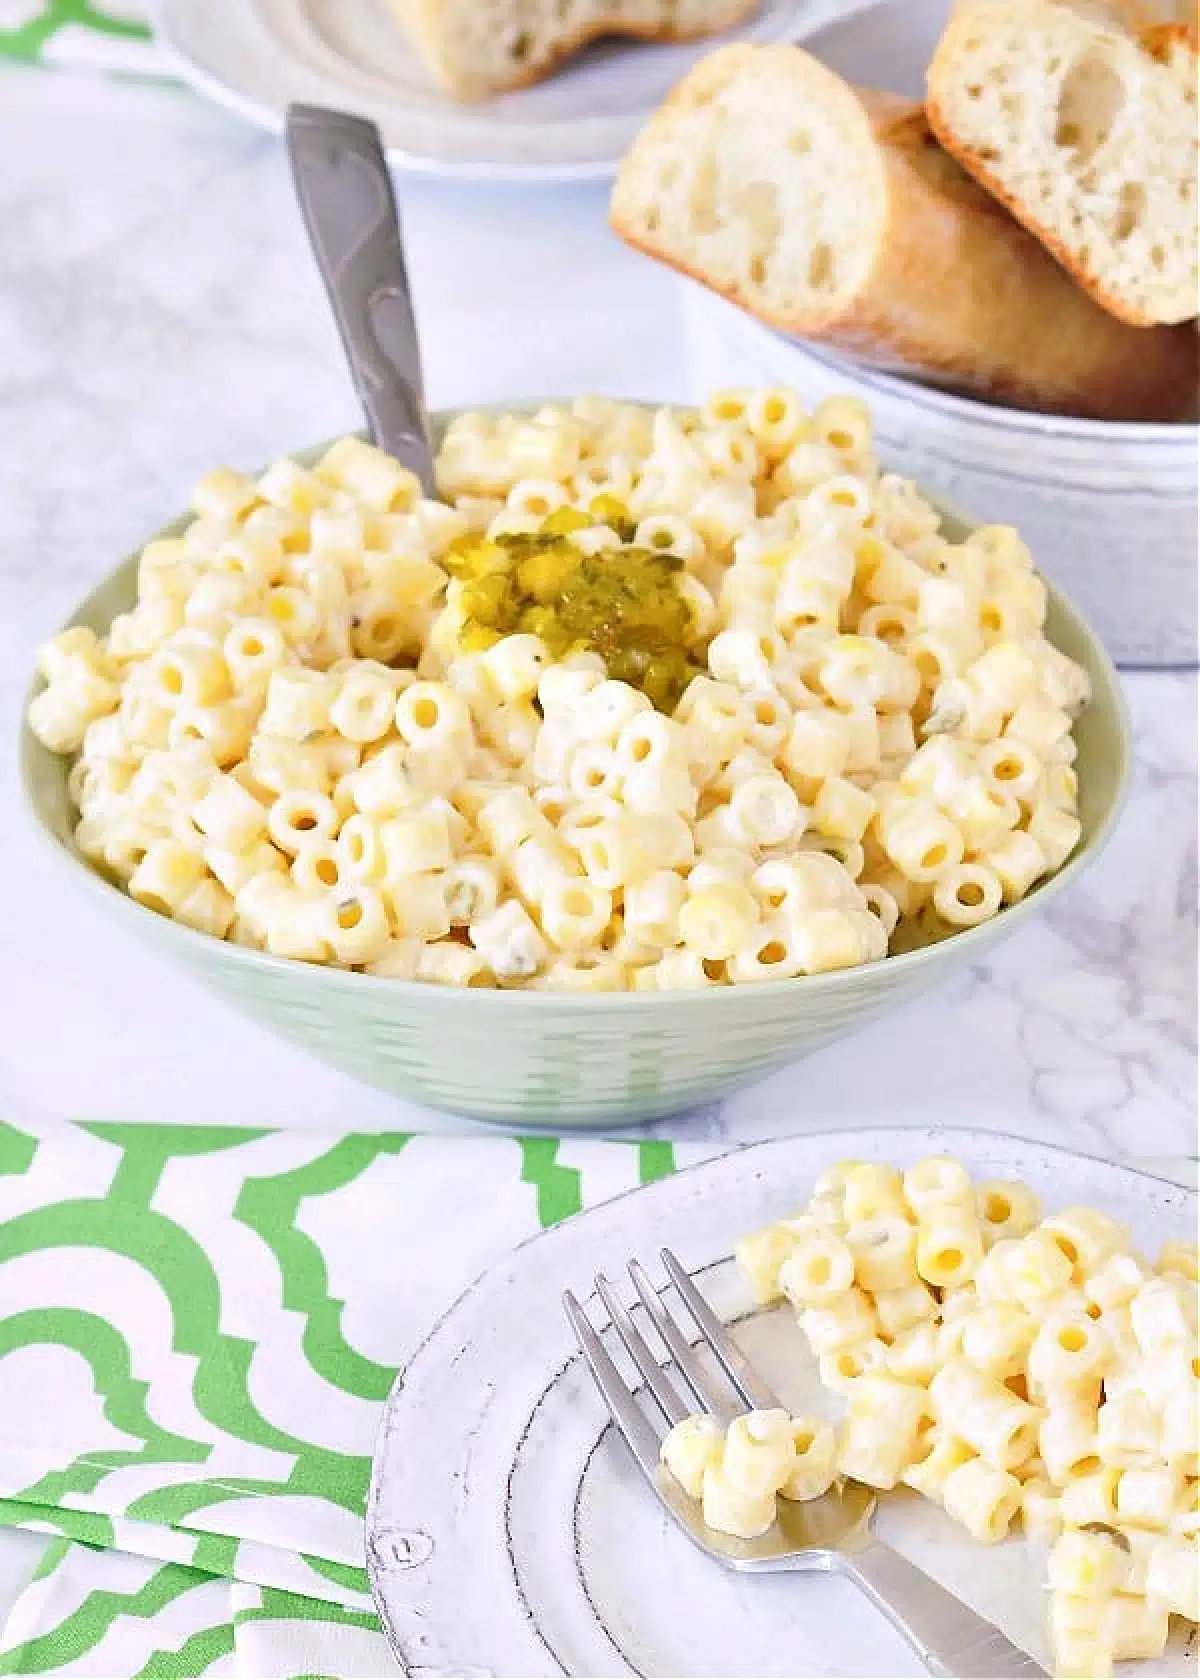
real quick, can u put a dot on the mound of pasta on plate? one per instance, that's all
(648, 700)
(1019, 1370)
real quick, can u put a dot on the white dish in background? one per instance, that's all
(1108, 509)
(508, 1531)
(259, 55)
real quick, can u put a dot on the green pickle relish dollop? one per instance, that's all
(624, 603)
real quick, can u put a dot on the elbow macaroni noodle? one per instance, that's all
(299, 740)
(1015, 1369)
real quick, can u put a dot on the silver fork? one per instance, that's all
(830, 1533)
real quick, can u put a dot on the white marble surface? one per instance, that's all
(158, 313)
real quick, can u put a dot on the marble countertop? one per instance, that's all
(159, 313)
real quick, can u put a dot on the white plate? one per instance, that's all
(507, 1530)
(256, 56)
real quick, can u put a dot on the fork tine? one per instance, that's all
(709, 1398)
(740, 1372)
(657, 1380)
(628, 1416)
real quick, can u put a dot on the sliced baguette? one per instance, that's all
(1086, 128)
(832, 213)
(476, 49)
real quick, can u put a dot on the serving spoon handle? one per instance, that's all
(349, 210)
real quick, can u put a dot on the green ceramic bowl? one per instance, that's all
(540, 1059)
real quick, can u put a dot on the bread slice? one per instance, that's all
(1085, 126)
(475, 49)
(832, 213)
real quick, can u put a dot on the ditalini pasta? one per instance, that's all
(648, 701)
(1023, 1372)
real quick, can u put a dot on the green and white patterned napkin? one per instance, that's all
(110, 36)
(198, 1327)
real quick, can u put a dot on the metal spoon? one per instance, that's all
(349, 209)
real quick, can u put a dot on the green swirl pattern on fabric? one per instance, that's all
(198, 1328)
(29, 29)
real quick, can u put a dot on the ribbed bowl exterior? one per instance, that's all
(1109, 510)
(539, 1059)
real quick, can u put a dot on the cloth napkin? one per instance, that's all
(110, 36)
(198, 1329)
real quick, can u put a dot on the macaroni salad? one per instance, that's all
(648, 700)
(1016, 1369)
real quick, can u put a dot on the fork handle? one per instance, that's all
(950, 1639)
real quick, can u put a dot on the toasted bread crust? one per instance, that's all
(1157, 40)
(872, 335)
(958, 291)
(973, 161)
(1086, 277)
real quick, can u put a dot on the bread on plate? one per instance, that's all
(475, 49)
(1082, 120)
(832, 213)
